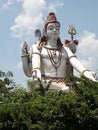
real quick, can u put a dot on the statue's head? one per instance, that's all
(50, 23)
(51, 18)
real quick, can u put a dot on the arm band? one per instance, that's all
(84, 71)
(72, 56)
(25, 55)
(36, 68)
(36, 53)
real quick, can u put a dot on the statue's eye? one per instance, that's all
(53, 27)
(50, 28)
(57, 28)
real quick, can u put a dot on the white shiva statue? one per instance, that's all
(50, 60)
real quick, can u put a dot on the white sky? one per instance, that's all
(19, 19)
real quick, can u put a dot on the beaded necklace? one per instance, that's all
(55, 60)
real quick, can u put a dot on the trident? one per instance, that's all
(72, 31)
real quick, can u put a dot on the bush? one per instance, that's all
(37, 108)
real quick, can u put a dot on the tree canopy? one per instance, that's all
(38, 108)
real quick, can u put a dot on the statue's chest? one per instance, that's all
(53, 57)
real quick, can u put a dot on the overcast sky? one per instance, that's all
(20, 18)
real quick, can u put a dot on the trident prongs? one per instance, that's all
(72, 31)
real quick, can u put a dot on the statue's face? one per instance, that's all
(53, 30)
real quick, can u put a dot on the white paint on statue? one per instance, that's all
(49, 59)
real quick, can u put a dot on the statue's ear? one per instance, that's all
(44, 33)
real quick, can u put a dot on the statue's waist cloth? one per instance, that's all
(57, 83)
(54, 79)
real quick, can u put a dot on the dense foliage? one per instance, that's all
(37, 108)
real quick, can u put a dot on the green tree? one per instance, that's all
(38, 108)
(6, 83)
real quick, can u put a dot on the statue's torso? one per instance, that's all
(53, 62)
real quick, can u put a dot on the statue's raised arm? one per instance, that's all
(26, 59)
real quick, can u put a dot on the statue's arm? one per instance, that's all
(78, 66)
(26, 59)
(36, 60)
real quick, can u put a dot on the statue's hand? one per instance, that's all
(25, 48)
(90, 75)
(36, 74)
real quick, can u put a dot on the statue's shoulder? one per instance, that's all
(35, 48)
(64, 48)
(38, 46)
